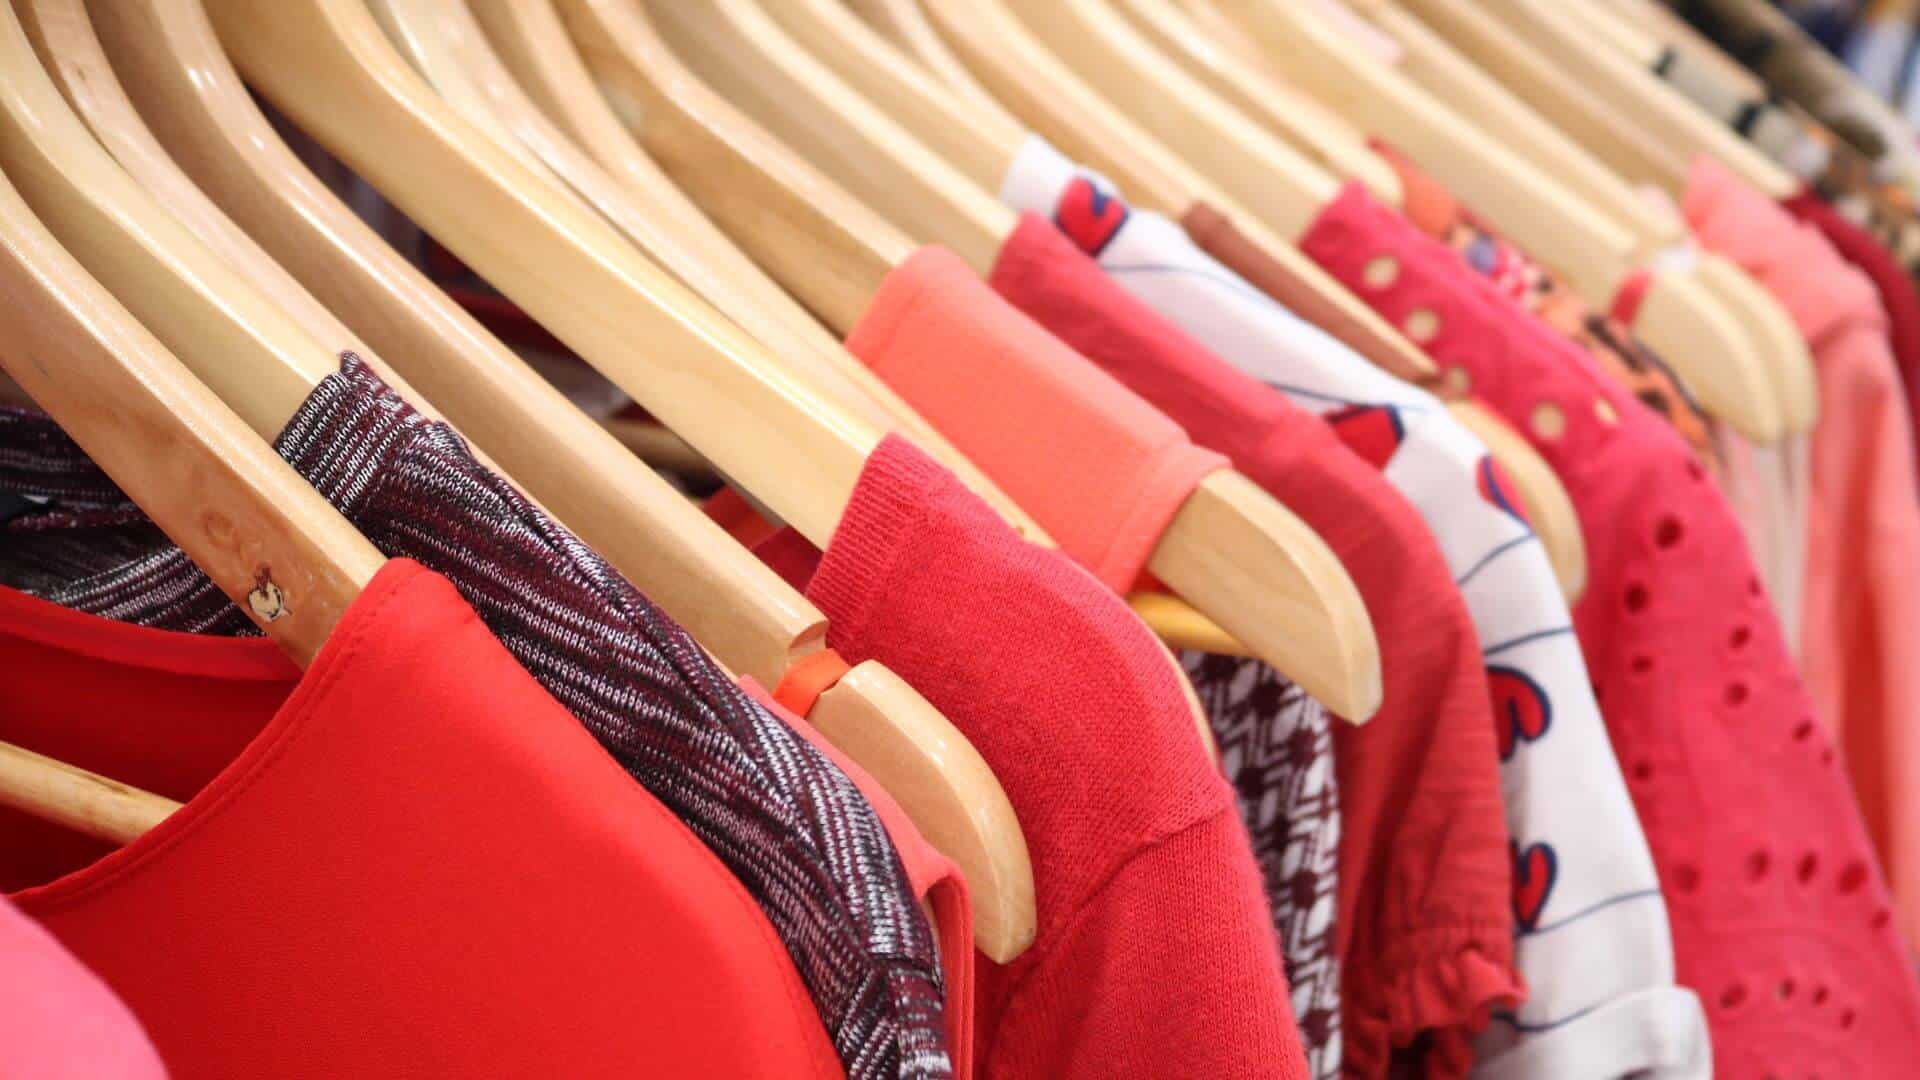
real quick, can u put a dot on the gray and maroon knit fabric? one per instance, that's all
(788, 823)
(1276, 749)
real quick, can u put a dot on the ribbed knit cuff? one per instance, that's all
(897, 480)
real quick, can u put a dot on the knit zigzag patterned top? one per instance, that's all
(782, 817)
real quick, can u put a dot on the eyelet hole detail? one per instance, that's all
(1669, 532)
(1637, 598)
(1852, 878)
(1604, 411)
(1642, 664)
(1381, 271)
(1737, 694)
(1549, 421)
(1808, 866)
(1733, 996)
(1758, 863)
(1740, 637)
(1422, 325)
(1686, 877)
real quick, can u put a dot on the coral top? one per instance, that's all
(1154, 953)
(1100, 470)
(1781, 920)
(1861, 602)
(407, 861)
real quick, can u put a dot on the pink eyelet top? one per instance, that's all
(1781, 919)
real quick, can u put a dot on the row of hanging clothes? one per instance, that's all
(929, 538)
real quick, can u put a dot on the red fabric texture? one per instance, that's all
(1425, 923)
(409, 861)
(1155, 953)
(1100, 470)
(1781, 921)
(58, 1021)
(1898, 295)
(937, 882)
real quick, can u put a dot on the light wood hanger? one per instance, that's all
(885, 76)
(1046, 94)
(981, 145)
(1611, 81)
(1548, 505)
(253, 526)
(1301, 120)
(870, 713)
(906, 26)
(1281, 186)
(1546, 85)
(447, 45)
(733, 47)
(1228, 535)
(166, 52)
(799, 224)
(1596, 255)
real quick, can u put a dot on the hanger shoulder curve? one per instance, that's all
(977, 140)
(1272, 583)
(947, 791)
(1260, 171)
(328, 66)
(822, 216)
(208, 122)
(1549, 508)
(826, 247)
(1274, 105)
(251, 354)
(737, 49)
(215, 487)
(1784, 348)
(1690, 329)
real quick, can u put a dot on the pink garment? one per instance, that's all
(1101, 470)
(58, 1021)
(1860, 623)
(1781, 920)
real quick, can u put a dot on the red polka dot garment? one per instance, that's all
(1781, 919)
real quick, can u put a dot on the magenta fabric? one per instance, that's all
(1781, 918)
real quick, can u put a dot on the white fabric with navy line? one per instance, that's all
(1594, 945)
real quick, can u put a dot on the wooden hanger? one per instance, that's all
(1228, 534)
(1555, 32)
(826, 246)
(244, 517)
(906, 26)
(1278, 107)
(870, 713)
(885, 76)
(1548, 506)
(1778, 343)
(1083, 126)
(733, 47)
(1268, 176)
(449, 48)
(1595, 254)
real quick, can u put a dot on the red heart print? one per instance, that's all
(1534, 872)
(1372, 431)
(1090, 217)
(1522, 712)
